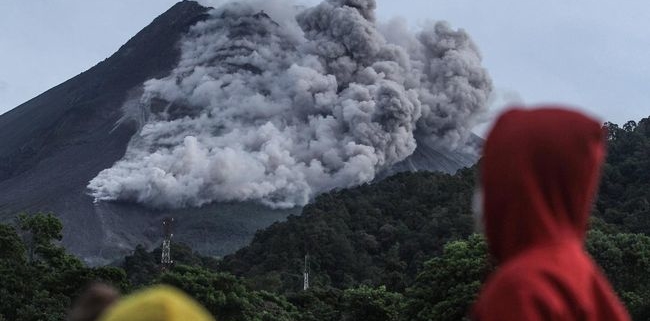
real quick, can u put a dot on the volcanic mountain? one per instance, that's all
(52, 146)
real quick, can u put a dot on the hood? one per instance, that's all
(158, 303)
(539, 173)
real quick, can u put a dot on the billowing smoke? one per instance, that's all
(277, 106)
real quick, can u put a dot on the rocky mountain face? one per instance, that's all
(54, 144)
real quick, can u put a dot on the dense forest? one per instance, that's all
(398, 249)
(377, 234)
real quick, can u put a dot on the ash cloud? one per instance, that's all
(282, 104)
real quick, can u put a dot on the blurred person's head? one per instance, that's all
(158, 303)
(539, 174)
(92, 302)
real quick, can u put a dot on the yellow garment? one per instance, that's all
(159, 303)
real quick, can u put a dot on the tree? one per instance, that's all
(143, 267)
(371, 304)
(39, 231)
(625, 259)
(375, 234)
(38, 279)
(448, 284)
(624, 196)
(226, 296)
(318, 303)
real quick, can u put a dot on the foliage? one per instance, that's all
(143, 267)
(226, 296)
(625, 259)
(378, 234)
(318, 303)
(371, 304)
(448, 284)
(399, 249)
(624, 198)
(38, 279)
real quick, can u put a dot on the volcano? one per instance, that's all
(52, 146)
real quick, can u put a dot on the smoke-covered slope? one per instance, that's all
(376, 234)
(431, 157)
(52, 146)
(276, 106)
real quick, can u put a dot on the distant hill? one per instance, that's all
(379, 234)
(624, 197)
(376, 234)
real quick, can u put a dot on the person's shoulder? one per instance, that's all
(511, 294)
(526, 279)
(552, 261)
(518, 271)
(560, 290)
(510, 277)
(521, 292)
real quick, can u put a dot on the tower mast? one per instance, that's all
(166, 260)
(305, 274)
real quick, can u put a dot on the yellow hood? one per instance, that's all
(159, 303)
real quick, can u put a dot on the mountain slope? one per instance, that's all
(84, 109)
(373, 234)
(54, 144)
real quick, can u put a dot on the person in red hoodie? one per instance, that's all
(539, 174)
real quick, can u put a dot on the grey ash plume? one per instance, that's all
(280, 105)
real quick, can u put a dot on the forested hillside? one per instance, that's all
(624, 199)
(399, 249)
(377, 234)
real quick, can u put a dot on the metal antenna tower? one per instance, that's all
(305, 274)
(166, 259)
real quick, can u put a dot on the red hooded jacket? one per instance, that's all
(539, 173)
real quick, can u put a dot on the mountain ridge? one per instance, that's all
(54, 144)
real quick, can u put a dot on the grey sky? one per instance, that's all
(573, 52)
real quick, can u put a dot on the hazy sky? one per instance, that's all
(590, 54)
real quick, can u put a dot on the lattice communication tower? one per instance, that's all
(166, 257)
(305, 274)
